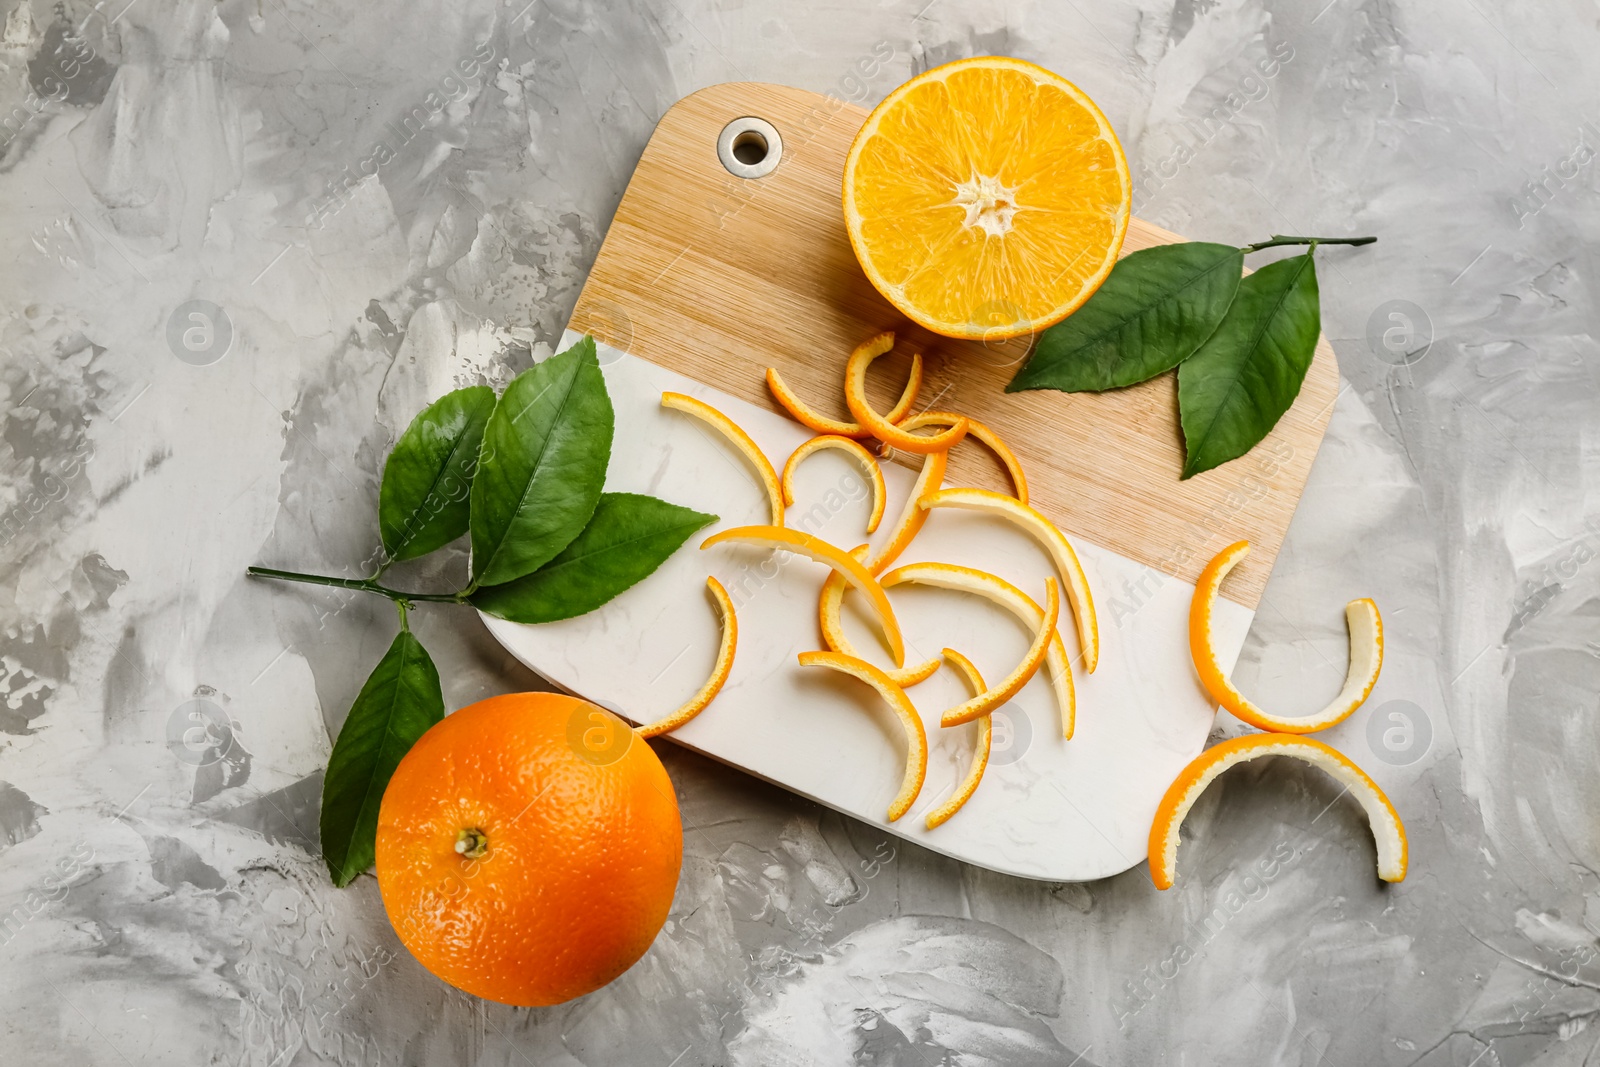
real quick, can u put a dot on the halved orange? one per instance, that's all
(987, 198)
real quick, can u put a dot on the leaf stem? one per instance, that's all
(1278, 240)
(365, 585)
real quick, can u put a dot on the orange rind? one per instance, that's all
(884, 429)
(817, 549)
(829, 615)
(1366, 655)
(1014, 600)
(980, 751)
(868, 461)
(913, 515)
(809, 417)
(1051, 539)
(905, 711)
(1021, 675)
(980, 432)
(1387, 830)
(741, 441)
(719, 673)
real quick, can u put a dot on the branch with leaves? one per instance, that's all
(1242, 343)
(524, 475)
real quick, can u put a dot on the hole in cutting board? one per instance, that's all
(750, 147)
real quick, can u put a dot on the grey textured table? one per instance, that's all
(161, 896)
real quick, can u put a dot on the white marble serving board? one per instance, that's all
(1047, 808)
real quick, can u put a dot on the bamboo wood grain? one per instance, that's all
(719, 278)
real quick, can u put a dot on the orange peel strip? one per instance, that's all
(1366, 655)
(985, 702)
(914, 515)
(815, 548)
(884, 429)
(719, 673)
(829, 610)
(809, 417)
(980, 753)
(739, 439)
(981, 432)
(905, 711)
(1387, 829)
(994, 588)
(869, 463)
(1054, 542)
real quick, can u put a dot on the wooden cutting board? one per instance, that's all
(704, 281)
(721, 277)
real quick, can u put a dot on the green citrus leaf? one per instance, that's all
(626, 540)
(542, 465)
(423, 501)
(1153, 311)
(1233, 391)
(400, 701)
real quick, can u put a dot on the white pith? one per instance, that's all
(989, 205)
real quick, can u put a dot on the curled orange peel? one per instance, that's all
(905, 711)
(868, 461)
(884, 429)
(1366, 655)
(719, 673)
(829, 615)
(980, 432)
(809, 417)
(913, 516)
(998, 590)
(1051, 539)
(1387, 830)
(815, 548)
(740, 440)
(1021, 675)
(980, 752)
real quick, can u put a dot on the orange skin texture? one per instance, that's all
(581, 862)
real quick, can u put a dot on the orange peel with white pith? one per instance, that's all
(1021, 675)
(1051, 539)
(809, 417)
(980, 751)
(1366, 655)
(980, 432)
(905, 711)
(719, 673)
(854, 448)
(879, 426)
(999, 591)
(830, 606)
(741, 441)
(1387, 829)
(817, 549)
(914, 515)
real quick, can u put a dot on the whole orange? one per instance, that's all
(528, 848)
